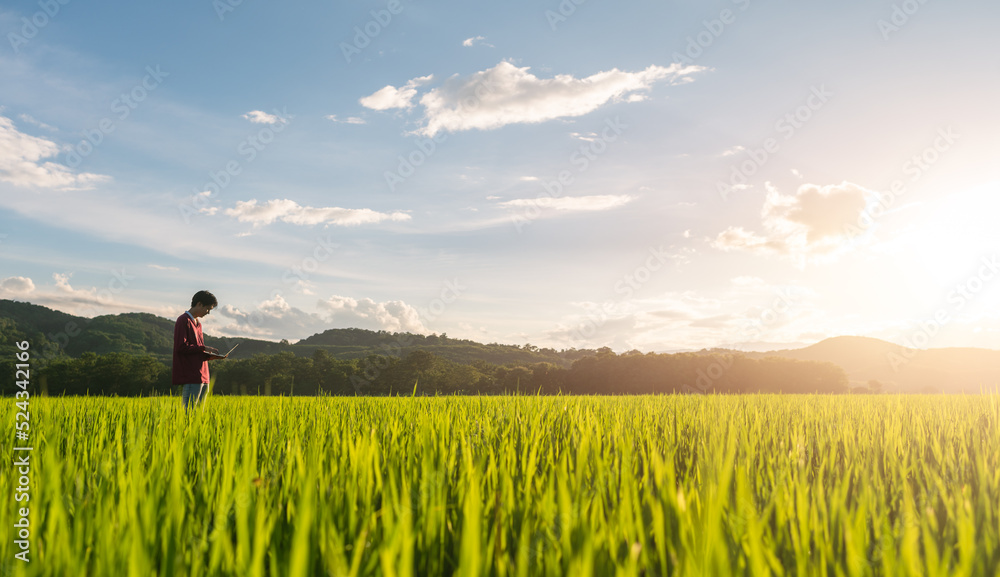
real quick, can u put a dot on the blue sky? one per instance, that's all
(752, 174)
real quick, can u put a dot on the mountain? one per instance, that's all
(902, 369)
(53, 332)
(864, 359)
(348, 343)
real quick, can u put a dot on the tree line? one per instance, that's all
(423, 373)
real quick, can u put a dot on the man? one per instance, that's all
(191, 356)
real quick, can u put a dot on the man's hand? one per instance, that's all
(215, 354)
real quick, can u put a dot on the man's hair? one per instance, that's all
(205, 298)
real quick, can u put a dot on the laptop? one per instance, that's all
(227, 354)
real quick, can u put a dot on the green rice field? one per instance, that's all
(509, 486)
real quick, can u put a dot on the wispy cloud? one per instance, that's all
(348, 120)
(729, 314)
(291, 212)
(31, 120)
(596, 202)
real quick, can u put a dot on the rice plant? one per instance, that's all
(511, 486)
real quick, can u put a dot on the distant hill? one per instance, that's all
(57, 332)
(351, 343)
(897, 368)
(901, 369)
(54, 333)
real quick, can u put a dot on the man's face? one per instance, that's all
(199, 310)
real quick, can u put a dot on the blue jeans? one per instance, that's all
(196, 391)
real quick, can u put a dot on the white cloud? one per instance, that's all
(273, 318)
(291, 212)
(161, 267)
(394, 316)
(391, 97)
(261, 117)
(62, 282)
(506, 94)
(20, 156)
(276, 319)
(348, 120)
(733, 151)
(16, 286)
(476, 40)
(88, 302)
(815, 221)
(596, 202)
